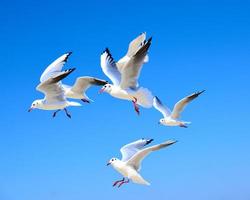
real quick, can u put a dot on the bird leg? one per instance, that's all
(136, 107)
(115, 183)
(54, 114)
(127, 181)
(85, 100)
(67, 113)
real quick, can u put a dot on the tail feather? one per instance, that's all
(144, 97)
(186, 123)
(146, 59)
(73, 103)
(139, 180)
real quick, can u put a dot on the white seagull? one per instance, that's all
(54, 94)
(132, 156)
(77, 91)
(125, 73)
(171, 118)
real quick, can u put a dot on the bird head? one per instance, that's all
(112, 161)
(161, 121)
(106, 88)
(34, 105)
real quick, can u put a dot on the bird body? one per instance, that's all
(141, 95)
(128, 171)
(43, 104)
(173, 122)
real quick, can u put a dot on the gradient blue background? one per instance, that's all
(196, 45)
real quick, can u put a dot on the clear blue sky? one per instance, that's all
(196, 45)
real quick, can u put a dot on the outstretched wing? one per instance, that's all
(135, 161)
(109, 67)
(180, 105)
(136, 44)
(55, 67)
(131, 70)
(84, 82)
(160, 107)
(52, 87)
(130, 149)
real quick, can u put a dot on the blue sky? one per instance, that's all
(196, 45)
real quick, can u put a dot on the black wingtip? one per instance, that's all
(68, 54)
(158, 100)
(150, 39)
(200, 92)
(106, 50)
(109, 56)
(71, 69)
(173, 142)
(149, 141)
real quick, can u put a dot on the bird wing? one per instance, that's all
(136, 44)
(131, 70)
(180, 105)
(52, 87)
(160, 107)
(136, 159)
(84, 82)
(130, 149)
(109, 67)
(55, 67)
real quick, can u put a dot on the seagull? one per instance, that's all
(54, 94)
(132, 156)
(124, 74)
(77, 91)
(171, 118)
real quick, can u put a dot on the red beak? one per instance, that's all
(101, 90)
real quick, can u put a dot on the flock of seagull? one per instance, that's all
(124, 75)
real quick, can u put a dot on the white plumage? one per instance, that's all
(132, 156)
(125, 73)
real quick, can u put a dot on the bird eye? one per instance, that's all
(33, 104)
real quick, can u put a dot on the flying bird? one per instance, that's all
(125, 73)
(54, 94)
(171, 118)
(132, 156)
(77, 91)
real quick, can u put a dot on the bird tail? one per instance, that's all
(144, 97)
(146, 59)
(186, 123)
(73, 103)
(137, 178)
